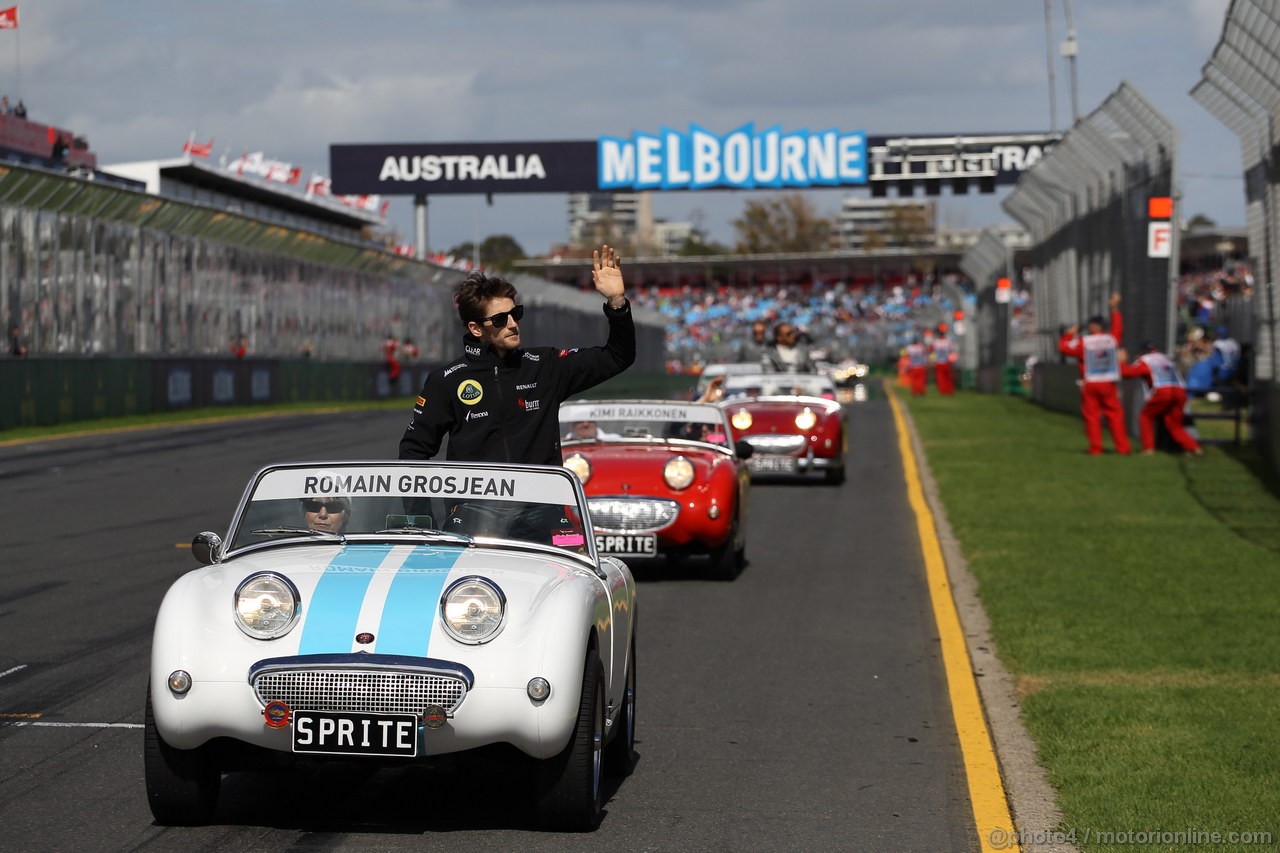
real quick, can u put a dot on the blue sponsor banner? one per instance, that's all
(743, 158)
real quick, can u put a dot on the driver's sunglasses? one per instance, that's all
(331, 506)
(499, 320)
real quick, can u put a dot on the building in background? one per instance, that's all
(620, 219)
(1014, 236)
(869, 224)
(671, 237)
(196, 181)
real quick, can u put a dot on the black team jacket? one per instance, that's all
(507, 409)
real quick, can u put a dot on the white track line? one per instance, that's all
(11, 671)
(54, 725)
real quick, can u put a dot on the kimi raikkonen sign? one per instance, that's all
(695, 159)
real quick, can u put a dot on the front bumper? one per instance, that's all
(481, 716)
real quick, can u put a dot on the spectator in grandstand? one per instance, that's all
(307, 350)
(917, 355)
(20, 111)
(1097, 352)
(1226, 356)
(239, 346)
(501, 403)
(17, 348)
(1166, 397)
(5, 109)
(409, 350)
(753, 349)
(60, 149)
(944, 357)
(786, 354)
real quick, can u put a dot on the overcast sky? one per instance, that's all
(290, 77)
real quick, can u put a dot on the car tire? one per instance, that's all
(728, 559)
(620, 752)
(182, 784)
(835, 476)
(570, 785)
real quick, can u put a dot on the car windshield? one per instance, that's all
(779, 385)
(641, 421)
(711, 371)
(431, 501)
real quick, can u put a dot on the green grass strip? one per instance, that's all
(1136, 601)
(214, 412)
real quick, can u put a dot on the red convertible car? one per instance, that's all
(661, 477)
(792, 422)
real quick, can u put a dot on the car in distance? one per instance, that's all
(387, 612)
(662, 478)
(792, 421)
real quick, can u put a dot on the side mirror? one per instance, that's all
(744, 450)
(206, 547)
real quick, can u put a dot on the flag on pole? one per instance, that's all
(9, 18)
(198, 149)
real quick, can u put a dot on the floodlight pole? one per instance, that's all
(420, 226)
(1069, 50)
(1048, 37)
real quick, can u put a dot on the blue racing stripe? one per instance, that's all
(413, 602)
(331, 618)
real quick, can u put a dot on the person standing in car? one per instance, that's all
(786, 354)
(500, 402)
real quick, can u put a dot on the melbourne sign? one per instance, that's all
(693, 159)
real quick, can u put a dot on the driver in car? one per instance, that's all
(328, 515)
(588, 430)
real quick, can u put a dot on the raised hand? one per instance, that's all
(606, 273)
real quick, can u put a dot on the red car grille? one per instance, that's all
(632, 515)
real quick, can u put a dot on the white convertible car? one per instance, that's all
(389, 612)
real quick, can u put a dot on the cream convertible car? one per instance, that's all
(391, 611)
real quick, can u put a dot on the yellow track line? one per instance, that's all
(986, 789)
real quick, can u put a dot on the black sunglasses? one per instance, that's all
(499, 320)
(331, 506)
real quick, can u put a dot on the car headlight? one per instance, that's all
(806, 419)
(578, 464)
(678, 472)
(741, 419)
(473, 609)
(267, 606)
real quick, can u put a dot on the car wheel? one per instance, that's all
(835, 476)
(570, 784)
(182, 784)
(620, 754)
(727, 560)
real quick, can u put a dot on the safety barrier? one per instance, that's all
(1240, 86)
(48, 391)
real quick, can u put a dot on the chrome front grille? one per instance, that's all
(632, 515)
(354, 690)
(775, 443)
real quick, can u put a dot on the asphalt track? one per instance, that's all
(802, 707)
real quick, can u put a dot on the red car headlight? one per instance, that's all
(578, 464)
(678, 472)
